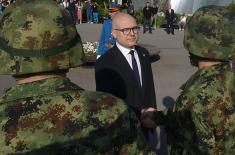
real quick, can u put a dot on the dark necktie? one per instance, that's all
(134, 66)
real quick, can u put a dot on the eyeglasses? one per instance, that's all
(127, 31)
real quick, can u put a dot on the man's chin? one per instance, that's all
(133, 44)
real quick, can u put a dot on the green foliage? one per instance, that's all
(84, 12)
(103, 13)
(163, 5)
(160, 20)
(232, 7)
(139, 16)
(100, 2)
(124, 10)
(156, 1)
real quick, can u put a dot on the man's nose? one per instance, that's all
(132, 32)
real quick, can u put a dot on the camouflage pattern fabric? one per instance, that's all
(209, 100)
(54, 116)
(203, 118)
(202, 121)
(38, 36)
(209, 33)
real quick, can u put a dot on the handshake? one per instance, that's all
(150, 117)
(147, 119)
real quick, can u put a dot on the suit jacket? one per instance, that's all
(114, 75)
(170, 16)
(147, 12)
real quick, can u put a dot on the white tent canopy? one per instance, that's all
(190, 6)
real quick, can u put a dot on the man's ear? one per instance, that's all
(113, 33)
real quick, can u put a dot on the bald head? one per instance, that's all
(125, 30)
(122, 20)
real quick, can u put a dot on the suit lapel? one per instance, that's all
(142, 60)
(125, 68)
(121, 61)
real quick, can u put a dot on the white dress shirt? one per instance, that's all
(126, 53)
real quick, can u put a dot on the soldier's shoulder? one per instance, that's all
(203, 87)
(48, 115)
(97, 100)
(85, 95)
(95, 95)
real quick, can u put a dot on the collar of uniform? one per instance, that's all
(37, 88)
(206, 73)
(125, 51)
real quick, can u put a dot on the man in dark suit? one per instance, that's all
(170, 17)
(147, 14)
(125, 70)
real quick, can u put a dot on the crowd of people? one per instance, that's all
(75, 7)
(45, 113)
(92, 10)
(150, 18)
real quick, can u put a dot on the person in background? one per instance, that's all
(203, 118)
(106, 39)
(124, 7)
(182, 22)
(95, 12)
(147, 14)
(125, 70)
(131, 9)
(88, 11)
(79, 6)
(73, 9)
(45, 113)
(154, 20)
(170, 17)
(1, 7)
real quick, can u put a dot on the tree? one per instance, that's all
(163, 5)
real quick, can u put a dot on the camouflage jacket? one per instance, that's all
(54, 116)
(203, 118)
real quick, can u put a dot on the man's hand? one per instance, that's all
(146, 110)
(146, 118)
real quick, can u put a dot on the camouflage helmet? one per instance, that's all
(209, 33)
(38, 36)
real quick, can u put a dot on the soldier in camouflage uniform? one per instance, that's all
(45, 113)
(203, 119)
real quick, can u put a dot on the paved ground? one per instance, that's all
(170, 71)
